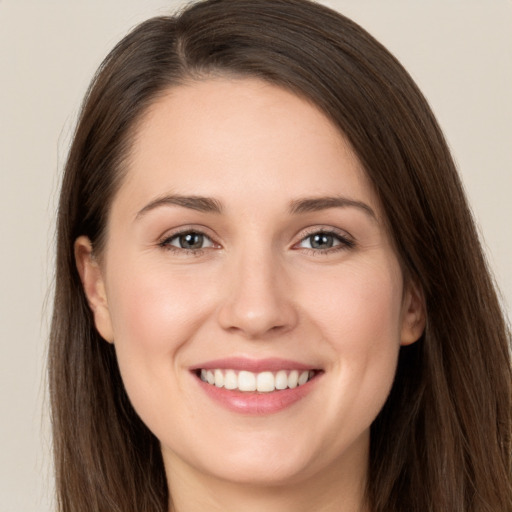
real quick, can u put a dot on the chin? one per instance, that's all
(262, 472)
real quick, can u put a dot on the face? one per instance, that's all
(250, 287)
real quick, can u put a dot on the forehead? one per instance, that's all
(221, 137)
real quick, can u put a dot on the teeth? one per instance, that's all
(230, 379)
(219, 378)
(281, 380)
(303, 378)
(264, 382)
(246, 381)
(293, 379)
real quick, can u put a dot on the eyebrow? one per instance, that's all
(315, 204)
(298, 206)
(198, 203)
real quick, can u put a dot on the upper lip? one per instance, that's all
(253, 365)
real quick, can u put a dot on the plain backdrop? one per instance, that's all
(459, 52)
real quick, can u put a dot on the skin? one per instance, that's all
(257, 289)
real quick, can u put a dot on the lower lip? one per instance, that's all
(254, 403)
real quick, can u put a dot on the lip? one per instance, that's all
(255, 403)
(253, 365)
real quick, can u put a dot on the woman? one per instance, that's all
(270, 292)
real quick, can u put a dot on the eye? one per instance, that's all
(188, 241)
(324, 241)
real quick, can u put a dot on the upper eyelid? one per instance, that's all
(312, 230)
(173, 233)
(180, 233)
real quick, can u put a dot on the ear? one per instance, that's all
(413, 313)
(94, 287)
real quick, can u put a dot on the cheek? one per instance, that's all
(360, 319)
(362, 309)
(152, 307)
(154, 314)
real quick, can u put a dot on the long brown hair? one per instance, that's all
(443, 439)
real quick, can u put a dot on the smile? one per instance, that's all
(256, 386)
(262, 382)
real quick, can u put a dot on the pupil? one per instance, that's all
(322, 241)
(191, 241)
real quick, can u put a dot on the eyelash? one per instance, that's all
(165, 243)
(344, 242)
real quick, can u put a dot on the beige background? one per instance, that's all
(460, 53)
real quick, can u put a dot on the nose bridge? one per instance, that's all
(257, 299)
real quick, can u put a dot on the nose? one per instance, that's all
(257, 298)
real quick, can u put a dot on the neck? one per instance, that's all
(337, 488)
